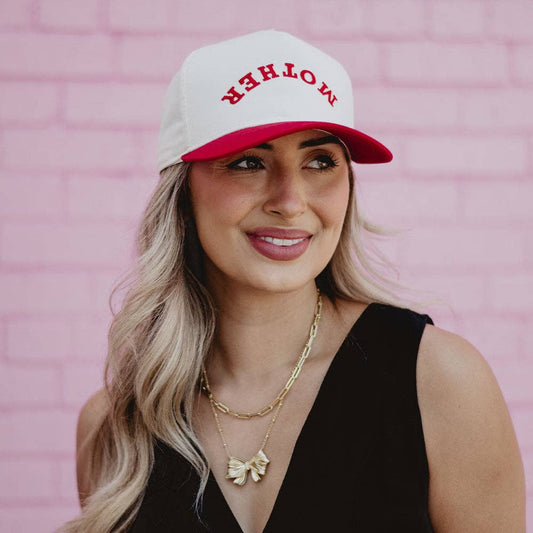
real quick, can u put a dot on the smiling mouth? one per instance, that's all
(282, 247)
(282, 242)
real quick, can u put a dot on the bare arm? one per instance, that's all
(476, 474)
(89, 421)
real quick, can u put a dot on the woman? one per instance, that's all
(260, 377)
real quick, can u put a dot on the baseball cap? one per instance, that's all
(237, 94)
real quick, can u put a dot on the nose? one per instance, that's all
(286, 195)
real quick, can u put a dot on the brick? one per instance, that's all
(108, 198)
(498, 201)
(15, 13)
(514, 379)
(31, 198)
(458, 18)
(412, 109)
(47, 431)
(396, 18)
(23, 386)
(446, 64)
(527, 459)
(511, 20)
(239, 17)
(528, 339)
(3, 339)
(27, 479)
(44, 55)
(529, 248)
(103, 284)
(496, 337)
(361, 59)
(453, 292)
(68, 487)
(511, 292)
(147, 156)
(126, 15)
(468, 155)
(401, 201)
(17, 519)
(45, 292)
(81, 381)
(521, 416)
(155, 57)
(67, 15)
(55, 244)
(44, 339)
(496, 110)
(334, 19)
(28, 103)
(123, 104)
(522, 63)
(441, 315)
(68, 150)
(90, 338)
(462, 248)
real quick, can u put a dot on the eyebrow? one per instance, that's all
(311, 142)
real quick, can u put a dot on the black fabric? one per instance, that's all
(363, 437)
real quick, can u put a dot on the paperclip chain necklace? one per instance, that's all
(294, 374)
(236, 468)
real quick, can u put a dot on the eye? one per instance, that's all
(246, 162)
(322, 162)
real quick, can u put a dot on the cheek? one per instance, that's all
(218, 211)
(208, 202)
(334, 203)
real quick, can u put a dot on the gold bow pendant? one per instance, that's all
(238, 470)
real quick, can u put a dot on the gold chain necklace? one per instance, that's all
(237, 469)
(292, 378)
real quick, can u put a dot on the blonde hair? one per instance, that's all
(161, 335)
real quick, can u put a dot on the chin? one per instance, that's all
(276, 281)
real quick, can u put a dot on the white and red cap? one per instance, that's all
(243, 92)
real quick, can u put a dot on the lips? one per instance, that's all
(280, 244)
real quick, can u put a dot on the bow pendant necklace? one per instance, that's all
(237, 469)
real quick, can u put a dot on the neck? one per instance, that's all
(260, 334)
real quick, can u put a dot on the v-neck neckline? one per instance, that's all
(222, 504)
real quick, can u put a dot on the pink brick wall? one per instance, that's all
(447, 84)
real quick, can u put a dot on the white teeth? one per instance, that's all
(282, 242)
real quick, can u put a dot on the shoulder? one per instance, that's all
(90, 420)
(476, 475)
(452, 374)
(449, 360)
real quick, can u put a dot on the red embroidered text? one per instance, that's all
(266, 73)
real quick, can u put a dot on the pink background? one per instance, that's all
(446, 84)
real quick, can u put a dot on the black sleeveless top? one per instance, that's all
(363, 439)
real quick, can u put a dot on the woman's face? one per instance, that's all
(270, 217)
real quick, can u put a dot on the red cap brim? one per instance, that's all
(362, 147)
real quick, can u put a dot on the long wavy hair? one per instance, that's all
(162, 334)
